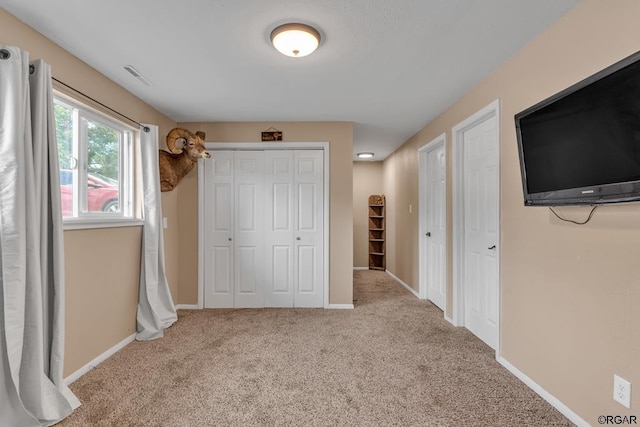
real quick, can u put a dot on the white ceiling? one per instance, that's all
(389, 66)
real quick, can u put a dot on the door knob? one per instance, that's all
(492, 247)
(230, 239)
(428, 234)
(297, 238)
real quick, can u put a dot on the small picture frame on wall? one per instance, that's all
(271, 134)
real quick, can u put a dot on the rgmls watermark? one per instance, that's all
(617, 419)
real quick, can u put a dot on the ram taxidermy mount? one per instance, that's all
(186, 148)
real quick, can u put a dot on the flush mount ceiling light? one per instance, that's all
(295, 40)
(365, 155)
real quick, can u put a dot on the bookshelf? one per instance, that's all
(377, 232)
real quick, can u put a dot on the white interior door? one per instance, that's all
(434, 216)
(263, 222)
(480, 145)
(278, 182)
(219, 203)
(308, 233)
(249, 229)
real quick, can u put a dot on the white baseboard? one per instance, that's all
(340, 307)
(71, 398)
(98, 360)
(450, 320)
(360, 268)
(551, 399)
(195, 306)
(187, 307)
(409, 288)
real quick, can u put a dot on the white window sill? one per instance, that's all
(83, 224)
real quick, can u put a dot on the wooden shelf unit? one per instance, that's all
(377, 232)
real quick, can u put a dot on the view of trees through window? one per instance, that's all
(103, 144)
(104, 149)
(87, 144)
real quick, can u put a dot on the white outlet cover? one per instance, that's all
(622, 391)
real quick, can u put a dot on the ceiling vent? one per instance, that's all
(135, 73)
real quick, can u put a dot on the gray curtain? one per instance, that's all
(155, 305)
(32, 390)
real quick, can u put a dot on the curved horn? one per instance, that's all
(175, 134)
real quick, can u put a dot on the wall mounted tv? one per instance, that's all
(582, 145)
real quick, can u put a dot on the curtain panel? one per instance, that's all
(156, 311)
(33, 392)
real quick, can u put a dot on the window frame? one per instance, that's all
(130, 214)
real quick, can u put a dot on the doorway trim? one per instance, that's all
(214, 146)
(457, 135)
(441, 140)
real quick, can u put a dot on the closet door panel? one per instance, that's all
(249, 228)
(308, 228)
(307, 270)
(219, 224)
(279, 249)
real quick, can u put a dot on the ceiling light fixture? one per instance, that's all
(295, 39)
(367, 155)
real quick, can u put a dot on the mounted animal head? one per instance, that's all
(186, 148)
(181, 140)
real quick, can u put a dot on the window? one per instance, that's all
(96, 165)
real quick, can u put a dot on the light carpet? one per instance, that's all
(393, 360)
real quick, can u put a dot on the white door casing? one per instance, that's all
(476, 146)
(433, 222)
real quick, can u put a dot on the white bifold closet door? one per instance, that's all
(293, 230)
(234, 207)
(264, 229)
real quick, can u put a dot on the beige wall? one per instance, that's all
(101, 299)
(340, 138)
(400, 183)
(389, 179)
(367, 180)
(569, 294)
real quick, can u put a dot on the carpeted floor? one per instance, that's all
(393, 360)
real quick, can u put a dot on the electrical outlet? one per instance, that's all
(622, 391)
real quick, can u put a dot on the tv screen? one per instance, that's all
(582, 145)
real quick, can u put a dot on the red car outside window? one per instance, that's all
(102, 195)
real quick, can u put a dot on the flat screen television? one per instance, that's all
(582, 145)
